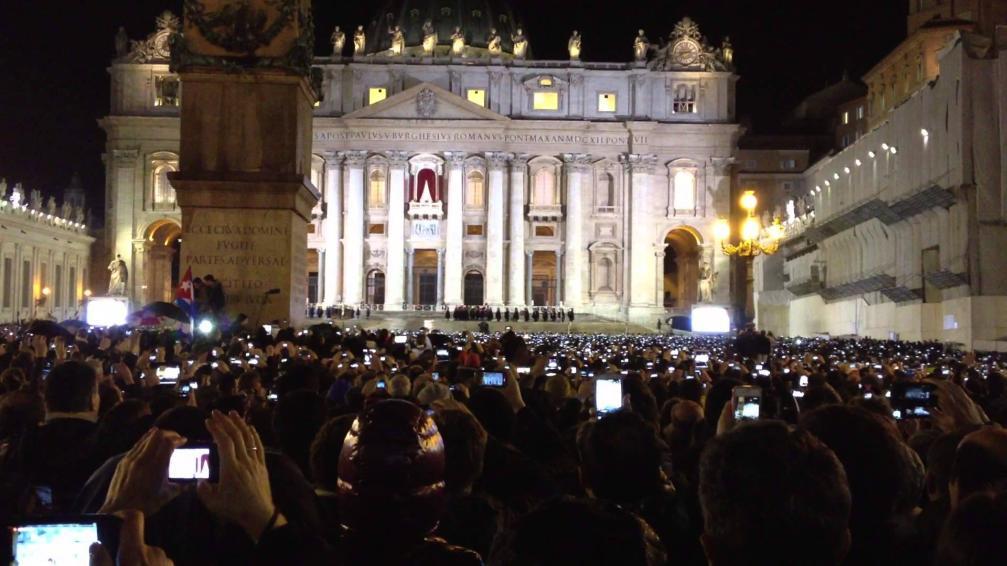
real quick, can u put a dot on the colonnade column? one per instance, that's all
(332, 229)
(641, 247)
(560, 277)
(353, 222)
(495, 229)
(440, 277)
(410, 258)
(659, 281)
(520, 284)
(577, 166)
(395, 249)
(530, 257)
(453, 241)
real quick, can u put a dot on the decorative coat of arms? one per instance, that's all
(155, 47)
(426, 103)
(687, 49)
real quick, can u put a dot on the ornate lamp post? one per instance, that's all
(754, 240)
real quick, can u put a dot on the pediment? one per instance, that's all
(426, 101)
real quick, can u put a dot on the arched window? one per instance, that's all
(475, 191)
(684, 190)
(544, 187)
(606, 192)
(163, 194)
(376, 189)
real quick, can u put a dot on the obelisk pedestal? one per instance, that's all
(245, 159)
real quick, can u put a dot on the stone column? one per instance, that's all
(453, 277)
(410, 257)
(641, 277)
(560, 277)
(519, 287)
(353, 228)
(495, 229)
(395, 249)
(123, 174)
(332, 228)
(440, 277)
(577, 167)
(530, 257)
(659, 282)
(320, 281)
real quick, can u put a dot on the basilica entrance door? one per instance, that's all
(543, 280)
(681, 269)
(161, 261)
(425, 277)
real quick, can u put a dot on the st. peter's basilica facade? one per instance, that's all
(455, 168)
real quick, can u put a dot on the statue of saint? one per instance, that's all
(641, 45)
(78, 214)
(494, 45)
(707, 281)
(573, 46)
(359, 41)
(338, 41)
(66, 211)
(727, 51)
(118, 276)
(50, 206)
(430, 38)
(398, 40)
(3, 189)
(36, 200)
(121, 42)
(458, 42)
(520, 44)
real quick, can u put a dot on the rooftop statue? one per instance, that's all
(398, 41)
(121, 42)
(50, 206)
(494, 44)
(430, 38)
(641, 45)
(727, 51)
(36, 199)
(458, 42)
(574, 45)
(359, 41)
(520, 44)
(338, 41)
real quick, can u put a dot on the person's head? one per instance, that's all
(12, 379)
(558, 388)
(20, 410)
(325, 451)
(980, 463)
(250, 383)
(880, 468)
(684, 425)
(940, 458)
(400, 387)
(579, 531)
(973, 534)
(464, 448)
(296, 420)
(391, 473)
(72, 388)
(620, 458)
(493, 411)
(433, 391)
(773, 495)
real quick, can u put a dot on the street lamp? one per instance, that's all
(753, 242)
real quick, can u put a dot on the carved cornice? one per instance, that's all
(455, 159)
(355, 158)
(639, 162)
(519, 161)
(397, 159)
(577, 162)
(498, 160)
(125, 156)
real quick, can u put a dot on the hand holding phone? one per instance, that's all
(607, 394)
(193, 462)
(747, 403)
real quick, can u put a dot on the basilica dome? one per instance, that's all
(475, 18)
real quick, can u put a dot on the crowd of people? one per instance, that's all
(484, 313)
(343, 446)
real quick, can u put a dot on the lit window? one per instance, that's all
(376, 189)
(475, 191)
(685, 99)
(163, 192)
(474, 230)
(166, 91)
(860, 112)
(545, 82)
(545, 101)
(606, 102)
(685, 190)
(846, 117)
(476, 96)
(376, 94)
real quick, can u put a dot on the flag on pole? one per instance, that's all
(184, 297)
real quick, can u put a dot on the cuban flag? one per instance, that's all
(184, 296)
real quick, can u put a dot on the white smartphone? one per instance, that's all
(607, 395)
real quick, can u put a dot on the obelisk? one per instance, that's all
(244, 180)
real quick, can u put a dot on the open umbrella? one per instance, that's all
(49, 329)
(166, 310)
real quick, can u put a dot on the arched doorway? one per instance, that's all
(681, 268)
(375, 287)
(473, 288)
(163, 240)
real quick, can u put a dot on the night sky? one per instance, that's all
(54, 55)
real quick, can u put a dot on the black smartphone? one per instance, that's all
(193, 462)
(62, 540)
(493, 379)
(913, 400)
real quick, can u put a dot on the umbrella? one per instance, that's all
(49, 329)
(73, 325)
(166, 310)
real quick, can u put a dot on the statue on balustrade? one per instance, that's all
(118, 277)
(338, 41)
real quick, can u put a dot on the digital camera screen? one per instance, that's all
(168, 374)
(493, 379)
(747, 408)
(190, 463)
(401, 339)
(42, 545)
(607, 395)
